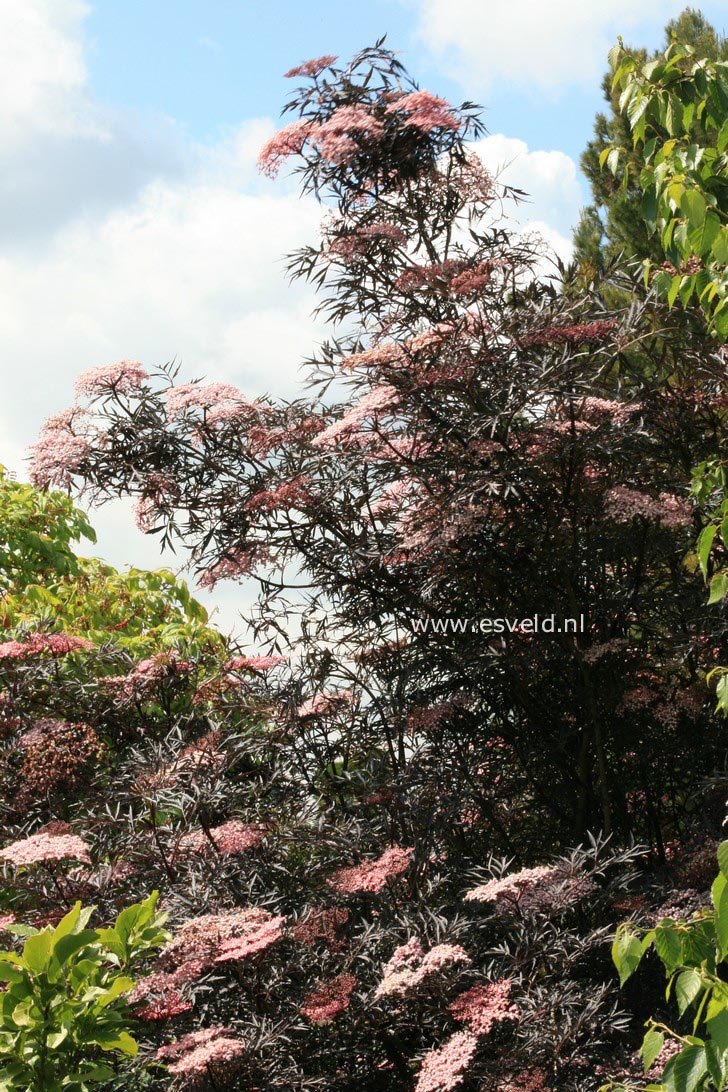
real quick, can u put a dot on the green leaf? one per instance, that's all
(693, 206)
(689, 984)
(36, 952)
(723, 858)
(705, 543)
(626, 953)
(717, 1027)
(702, 238)
(652, 1044)
(718, 588)
(668, 946)
(688, 1069)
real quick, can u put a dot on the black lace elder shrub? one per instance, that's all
(477, 444)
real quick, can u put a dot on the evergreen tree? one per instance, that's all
(614, 224)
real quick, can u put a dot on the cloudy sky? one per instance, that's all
(133, 223)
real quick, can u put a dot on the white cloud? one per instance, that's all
(542, 44)
(550, 180)
(42, 73)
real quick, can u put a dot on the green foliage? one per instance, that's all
(44, 583)
(693, 954)
(677, 110)
(613, 226)
(64, 1022)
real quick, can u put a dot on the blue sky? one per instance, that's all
(210, 64)
(133, 222)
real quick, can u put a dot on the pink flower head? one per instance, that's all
(286, 142)
(55, 456)
(445, 1068)
(254, 663)
(199, 1053)
(230, 935)
(371, 877)
(320, 705)
(311, 68)
(257, 938)
(122, 378)
(329, 999)
(542, 888)
(237, 563)
(410, 968)
(426, 111)
(378, 400)
(483, 1006)
(338, 138)
(58, 644)
(230, 839)
(44, 848)
(205, 396)
(622, 505)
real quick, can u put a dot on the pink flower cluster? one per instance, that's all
(482, 1006)
(339, 137)
(445, 1067)
(254, 663)
(230, 839)
(55, 456)
(598, 408)
(371, 877)
(291, 494)
(286, 142)
(542, 888)
(409, 968)
(575, 334)
(378, 399)
(203, 396)
(329, 999)
(238, 562)
(320, 705)
(201, 1053)
(44, 848)
(57, 644)
(122, 378)
(147, 673)
(311, 68)
(622, 505)
(158, 996)
(425, 111)
(222, 938)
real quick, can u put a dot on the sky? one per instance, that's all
(133, 223)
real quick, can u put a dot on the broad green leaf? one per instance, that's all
(687, 1069)
(652, 1044)
(718, 588)
(689, 984)
(626, 953)
(36, 951)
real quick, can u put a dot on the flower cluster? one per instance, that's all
(45, 849)
(229, 840)
(122, 378)
(542, 889)
(409, 968)
(199, 1054)
(371, 877)
(482, 1006)
(57, 644)
(329, 999)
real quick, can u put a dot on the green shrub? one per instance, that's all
(64, 1022)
